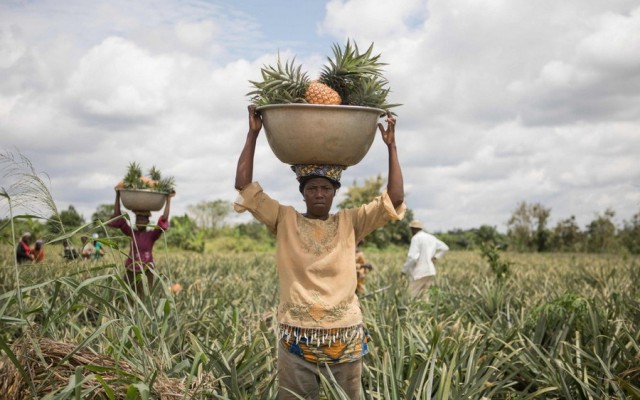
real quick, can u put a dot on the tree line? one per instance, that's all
(528, 228)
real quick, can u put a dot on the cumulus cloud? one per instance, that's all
(502, 101)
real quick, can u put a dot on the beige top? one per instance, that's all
(315, 258)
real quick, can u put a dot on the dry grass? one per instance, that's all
(51, 365)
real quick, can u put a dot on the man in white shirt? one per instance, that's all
(424, 250)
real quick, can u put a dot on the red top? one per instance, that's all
(141, 242)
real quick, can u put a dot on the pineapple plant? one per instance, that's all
(350, 78)
(155, 182)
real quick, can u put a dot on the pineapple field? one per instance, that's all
(495, 326)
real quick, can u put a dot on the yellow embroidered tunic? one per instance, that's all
(315, 258)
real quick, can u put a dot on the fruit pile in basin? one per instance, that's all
(144, 193)
(331, 120)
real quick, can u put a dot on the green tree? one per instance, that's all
(541, 215)
(488, 234)
(630, 234)
(527, 227)
(21, 224)
(396, 232)
(458, 239)
(68, 219)
(184, 234)
(256, 231)
(567, 236)
(520, 227)
(209, 214)
(601, 234)
(356, 196)
(103, 213)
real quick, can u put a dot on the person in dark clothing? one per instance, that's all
(69, 253)
(23, 250)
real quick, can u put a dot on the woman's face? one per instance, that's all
(318, 195)
(142, 221)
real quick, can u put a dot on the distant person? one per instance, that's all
(68, 252)
(23, 250)
(362, 269)
(98, 251)
(38, 251)
(419, 267)
(86, 248)
(140, 261)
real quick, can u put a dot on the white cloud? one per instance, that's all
(372, 19)
(613, 45)
(117, 79)
(504, 101)
(196, 35)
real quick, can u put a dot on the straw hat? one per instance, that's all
(415, 224)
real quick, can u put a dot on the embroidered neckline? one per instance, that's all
(317, 236)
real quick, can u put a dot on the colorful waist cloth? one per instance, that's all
(332, 346)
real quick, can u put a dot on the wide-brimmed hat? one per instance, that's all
(415, 224)
(331, 172)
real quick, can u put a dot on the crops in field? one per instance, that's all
(555, 327)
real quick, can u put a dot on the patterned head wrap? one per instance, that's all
(305, 172)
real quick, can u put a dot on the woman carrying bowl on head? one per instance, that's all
(140, 261)
(319, 317)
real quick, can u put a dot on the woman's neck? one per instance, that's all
(310, 216)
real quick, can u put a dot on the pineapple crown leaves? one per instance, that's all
(154, 173)
(356, 77)
(134, 179)
(348, 67)
(371, 92)
(166, 185)
(351, 63)
(280, 84)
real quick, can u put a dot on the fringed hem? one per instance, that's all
(320, 336)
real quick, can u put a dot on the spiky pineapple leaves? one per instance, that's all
(135, 180)
(280, 84)
(355, 76)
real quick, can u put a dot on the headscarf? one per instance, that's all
(304, 172)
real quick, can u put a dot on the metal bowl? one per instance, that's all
(142, 200)
(320, 134)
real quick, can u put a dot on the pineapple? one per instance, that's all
(287, 84)
(319, 93)
(351, 78)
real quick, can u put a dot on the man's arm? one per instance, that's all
(441, 248)
(412, 256)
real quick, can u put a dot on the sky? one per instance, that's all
(502, 101)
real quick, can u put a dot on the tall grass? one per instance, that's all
(559, 327)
